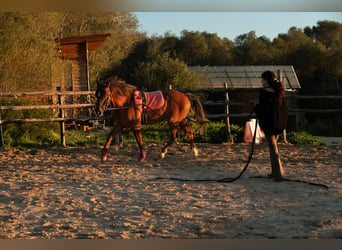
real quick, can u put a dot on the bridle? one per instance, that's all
(108, 96)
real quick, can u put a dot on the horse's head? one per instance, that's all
(103, 97)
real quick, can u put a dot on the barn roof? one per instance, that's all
(244, 76)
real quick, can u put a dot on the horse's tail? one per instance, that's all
(198, 108)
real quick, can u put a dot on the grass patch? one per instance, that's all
(31, 135)
(79, 138)
(303, 138)
(40, 135)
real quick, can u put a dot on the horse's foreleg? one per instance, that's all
(190, 137)
(173, 130)
(138, 138)
(110, 136)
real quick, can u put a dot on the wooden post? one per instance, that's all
(61, 115)
(280, 76)
(2, 141)
(230, 138)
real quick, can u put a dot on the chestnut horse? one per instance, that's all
(126, 114)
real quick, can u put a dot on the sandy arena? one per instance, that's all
(67, 193)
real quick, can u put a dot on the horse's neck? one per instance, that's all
(119, 101)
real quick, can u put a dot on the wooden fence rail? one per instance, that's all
(42, 93)
(56, 106)
(60, 107)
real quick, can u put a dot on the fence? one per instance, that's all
(61, 106)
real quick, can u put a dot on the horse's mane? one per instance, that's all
(120, 87)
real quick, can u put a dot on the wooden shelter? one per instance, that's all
(75, 49)
(76, 73)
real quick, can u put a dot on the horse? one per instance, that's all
(127, 112)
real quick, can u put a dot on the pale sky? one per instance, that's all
(230, 24)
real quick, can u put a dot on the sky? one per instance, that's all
(230, 24)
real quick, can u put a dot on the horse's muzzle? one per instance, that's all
(99, 112)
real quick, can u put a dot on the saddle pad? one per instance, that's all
(154, 100)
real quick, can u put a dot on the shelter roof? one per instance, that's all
(69, 45)
(244, 76)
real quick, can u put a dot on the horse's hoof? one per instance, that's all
(104, 158)
(195, 151)
(104, 154)
(162, 155)
(142, 157)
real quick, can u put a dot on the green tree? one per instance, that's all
(250, 49)
(193, 48)
(27, 50)
(164, 71)
(329, 33)
(220, 51)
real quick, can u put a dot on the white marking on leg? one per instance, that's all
(195, 151)
(162, 155)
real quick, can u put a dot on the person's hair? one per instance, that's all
(273, 82)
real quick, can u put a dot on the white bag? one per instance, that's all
(249, 132)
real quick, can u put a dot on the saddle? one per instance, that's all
(147, 101)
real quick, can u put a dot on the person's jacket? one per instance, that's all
(272, 112)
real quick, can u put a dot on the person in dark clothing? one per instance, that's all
(272, 113)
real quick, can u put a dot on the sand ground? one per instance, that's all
(63, 193)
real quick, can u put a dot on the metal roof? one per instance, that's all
(244, 76)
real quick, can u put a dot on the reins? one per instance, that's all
(123, 107)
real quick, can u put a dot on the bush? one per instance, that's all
(303, 138)
(29, 134)
(216, 132)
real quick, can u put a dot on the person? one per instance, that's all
(272, 112)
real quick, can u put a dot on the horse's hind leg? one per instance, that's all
(110, 136)
(138, 138)
(173, 130)
(189, 135)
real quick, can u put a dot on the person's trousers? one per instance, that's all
(277, 167)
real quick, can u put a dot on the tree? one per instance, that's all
(329, 33)
(164, 71)
(220, 51)
(193, 48)
(250, 49)
(27, 50)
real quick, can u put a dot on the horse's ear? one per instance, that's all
(102, 82)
